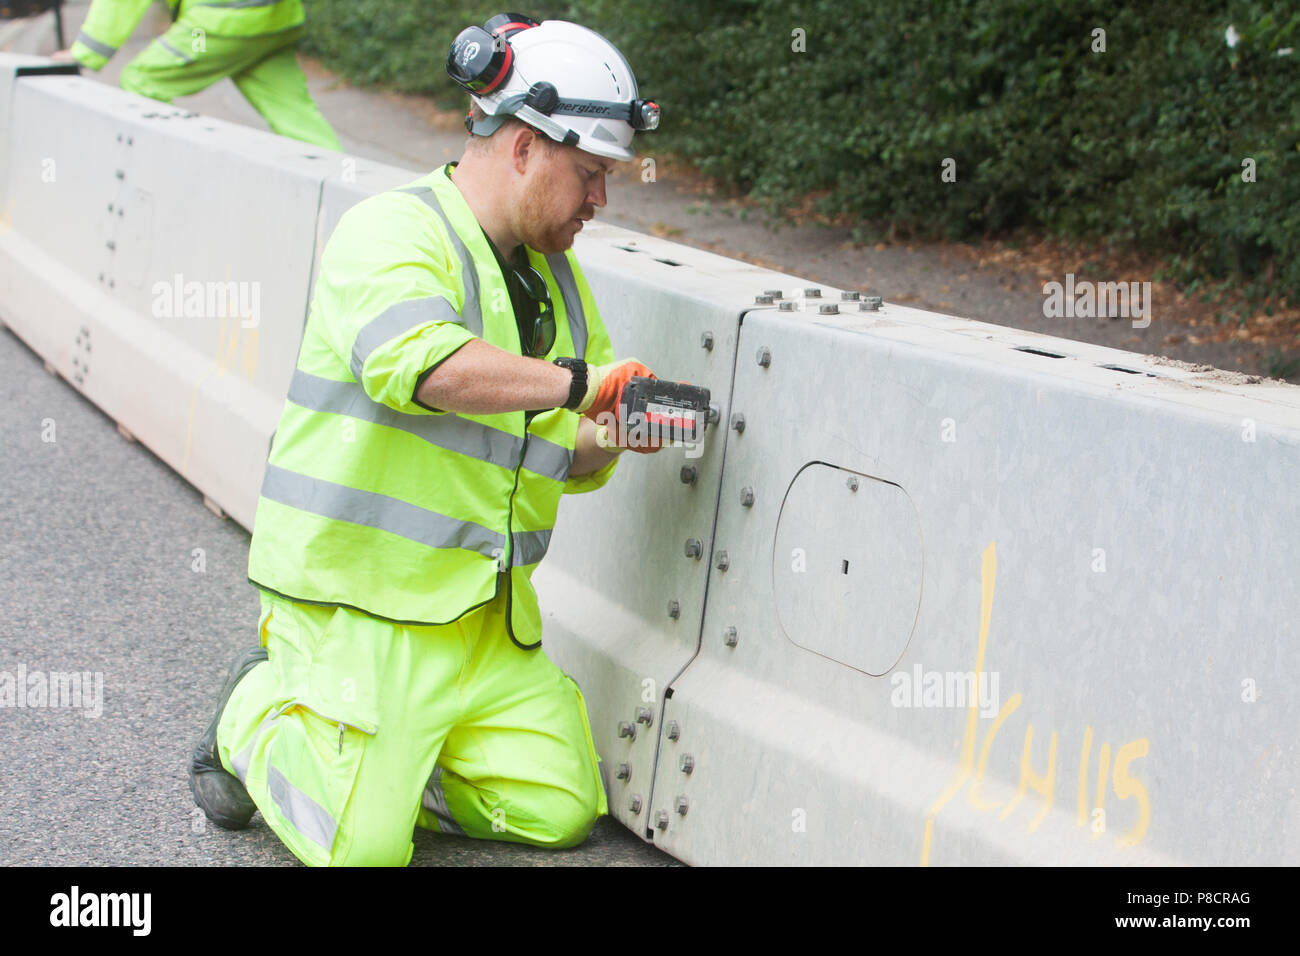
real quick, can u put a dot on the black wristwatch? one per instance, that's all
(578, 388)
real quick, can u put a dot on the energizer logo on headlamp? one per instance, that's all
(515, 66)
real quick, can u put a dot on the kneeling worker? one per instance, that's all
(450, 378)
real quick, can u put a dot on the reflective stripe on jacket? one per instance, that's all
(109, 23)
(370, 498)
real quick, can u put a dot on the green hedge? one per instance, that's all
(1140, 145)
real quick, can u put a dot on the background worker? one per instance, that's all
(250, 42)
(451, 370)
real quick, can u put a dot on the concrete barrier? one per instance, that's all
(935, 591)
(161, 261)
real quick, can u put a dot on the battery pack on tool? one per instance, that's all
(664, 411)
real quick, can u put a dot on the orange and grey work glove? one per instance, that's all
(605, 384)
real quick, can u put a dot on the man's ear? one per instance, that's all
(525, 148)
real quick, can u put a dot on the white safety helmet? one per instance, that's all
(564, 79)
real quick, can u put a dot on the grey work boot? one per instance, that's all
(217, 792)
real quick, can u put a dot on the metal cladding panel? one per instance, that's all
(618, 556)
(1107, 597)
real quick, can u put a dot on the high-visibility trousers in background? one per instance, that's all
(187, 59)
(355, 730)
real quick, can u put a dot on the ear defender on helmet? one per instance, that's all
(480, 58)
(508, 24)
(576, 104)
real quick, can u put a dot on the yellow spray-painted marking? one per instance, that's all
(1126, 786)
(988, 577)
(972, 795)
(1044, 783)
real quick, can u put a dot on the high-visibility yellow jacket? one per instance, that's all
(110, 22)
(373, 500)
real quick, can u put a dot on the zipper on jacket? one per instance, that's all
(510, 540)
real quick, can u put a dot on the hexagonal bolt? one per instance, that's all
(738, 421)
(869, 303)
(661, 819)
(715, 412)
(624, 771)
(627, 729)
(694, 548)
(747, 496)
(729, 636)
(774, 293)
(723, 561)
(687, 763)
(674, 730)
(706, 341)
(812, 293)
(786, 305)
(635, 803)
(674, 610)
(762, 300)
(852, 482)
(682, 804)
(850, 296)
(688, 474)
(763, 356)
(829, 309)
(644, 716)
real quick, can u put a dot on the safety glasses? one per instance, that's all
(542, 338)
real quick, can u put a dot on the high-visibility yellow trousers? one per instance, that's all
(355, 730)
(187, 59)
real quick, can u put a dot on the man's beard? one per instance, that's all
(536, 218)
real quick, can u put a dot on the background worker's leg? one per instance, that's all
(185, 60)
(521, 765)
(277, 89)
(341, 795)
